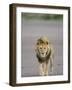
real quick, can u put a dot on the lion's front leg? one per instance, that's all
(41, 69)
(45, 69)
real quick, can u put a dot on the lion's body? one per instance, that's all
(44, 53)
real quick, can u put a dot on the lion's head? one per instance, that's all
(42, 46)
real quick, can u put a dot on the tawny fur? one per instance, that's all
(43, 48)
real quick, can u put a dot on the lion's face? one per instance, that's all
(42, 49)
(42, 46)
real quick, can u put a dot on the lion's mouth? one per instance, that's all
(43, 54)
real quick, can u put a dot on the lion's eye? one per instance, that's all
(40, 48)
(47, 43)
(44, 48)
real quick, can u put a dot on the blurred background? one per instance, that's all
(35, 25)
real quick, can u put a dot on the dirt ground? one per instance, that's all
(31, 31)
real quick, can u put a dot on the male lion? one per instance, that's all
(44, 53)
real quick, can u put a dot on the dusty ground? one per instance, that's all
(31, 31)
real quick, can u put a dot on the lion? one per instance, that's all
(44, 54)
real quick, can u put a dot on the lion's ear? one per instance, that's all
(37, 43)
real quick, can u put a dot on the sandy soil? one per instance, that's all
(31, 31)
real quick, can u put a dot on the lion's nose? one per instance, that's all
(40, 47)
